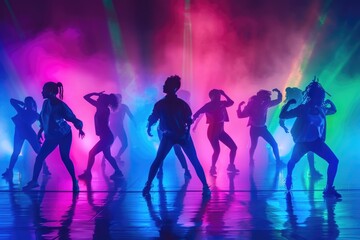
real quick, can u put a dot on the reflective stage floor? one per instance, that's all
(250, 205)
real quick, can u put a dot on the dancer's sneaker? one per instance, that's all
(331, 192)
(117, 175)
(187, 174)
(206, 191)
(213, 171)
(86, 175)
(232, 169)
(146, 189)
(315, 174)
(288, 183)
(30, 185)
(8, 173)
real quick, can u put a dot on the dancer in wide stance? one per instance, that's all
(26, 116)
(174, 115)
(53, 122)
(256, 110)
(216, 116)
(309, 133)
(102, 129)
(184, 95)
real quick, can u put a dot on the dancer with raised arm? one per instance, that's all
(102, 129)
(256, 110)
(216, 116)
(309, 132)
(174, 115)
(296, 93)
(26, 116)
(53, 122)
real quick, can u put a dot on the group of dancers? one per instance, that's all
(309, 109)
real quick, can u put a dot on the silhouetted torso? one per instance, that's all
(174, 115)
(102, 121)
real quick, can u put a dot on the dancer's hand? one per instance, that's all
(242, 103)
(284, 127)
(276, 90)
(81, 134)
(149, 131)
(328, 102)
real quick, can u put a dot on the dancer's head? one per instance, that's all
(108, 100)
(172, 84)
(51, 89)
(264, 95)
(214, 95)
(314, 93)
(30, 103)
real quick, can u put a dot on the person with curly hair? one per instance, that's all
(309, 132)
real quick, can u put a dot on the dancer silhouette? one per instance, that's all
(216, 116)
(174, 115)
(309, 132)
(26, 116)
(256, 110)
(185, 95)
(102, 129)
(296, 93)
(117, 125)
(53, 122)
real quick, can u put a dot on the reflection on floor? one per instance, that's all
(250, 205)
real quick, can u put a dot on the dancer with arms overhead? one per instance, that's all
(256, 110)
(102, 129)
(216, 116)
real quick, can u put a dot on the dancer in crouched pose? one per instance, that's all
(296, 93)
(309, 133)
(256, 110)
(216, 116)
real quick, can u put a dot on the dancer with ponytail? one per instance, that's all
(102, 129)
(53, 122)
